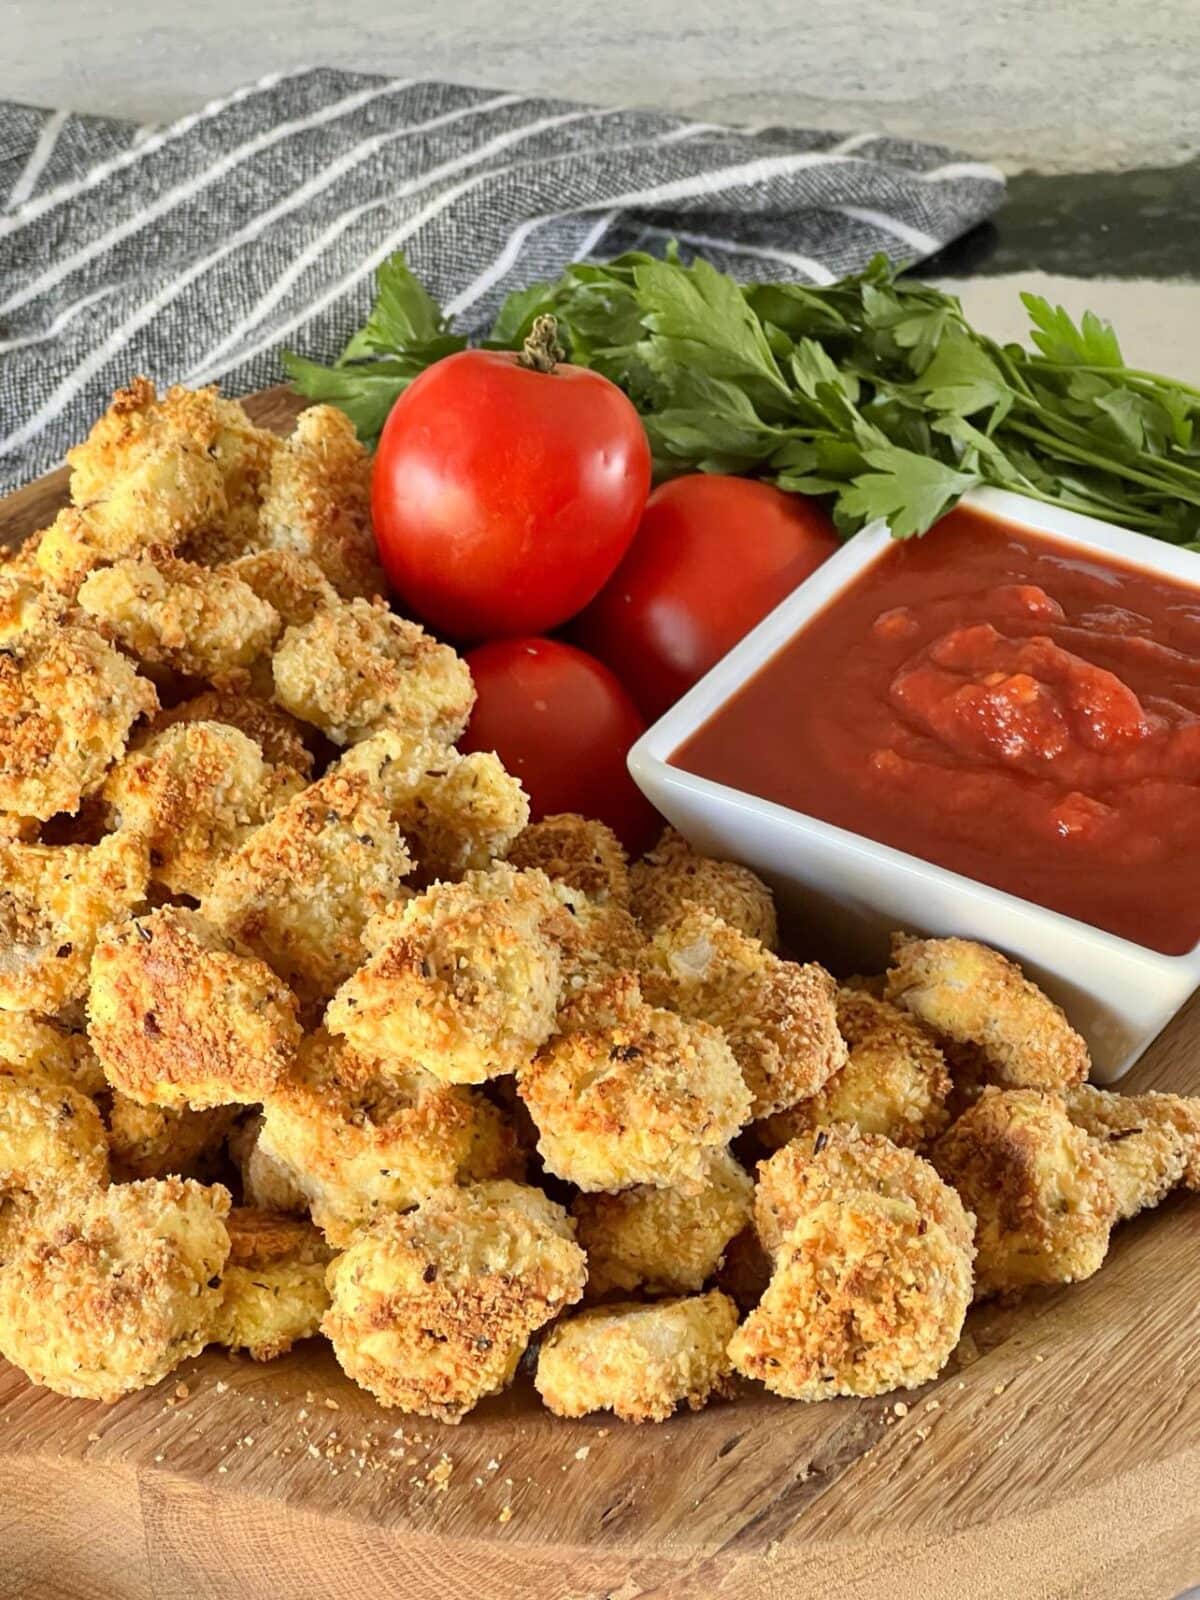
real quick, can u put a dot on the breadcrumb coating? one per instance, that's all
(1038, 1185)
(266, 1183)
(178, 1016)
(52, 1142)
(67, 703)
(164, 1141)
(664, 1241)
(235, 704)
(464, 981)
(672, 877)
(301, 889)
(55, 900)
(27, 603)
(595, 938)
(975, 996)
(45, 1050)
(639, 1361)
(1150, 1142)
(432, 1310)
(578, 852)
(245, 455)
(293, 585)
(458, 813)
(779, 1017)
(194, 793)
(357, 668)
(631, 1094)
(173, 614)
(894, 1083)
(318, 502)
(109, 1294)
(273, 1290)
(357, 1145)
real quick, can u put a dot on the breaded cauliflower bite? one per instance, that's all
(895, 1082)
(464, 981)
(67, 703)
(301, 889)
(356, 1144)
(266, 1183)
(357, 668)
(1038, 1185)
(292, 584)
(164, 1141)
(54, 902)
(273, 1290)
(194, 793)
(1149, 1142)
(45, 1050)
(639, 1361)
(52, 1142)
(672, 877)
(975, 996)
(664, 1241)
(178, 1016)
(318, 502)
(779, 1017)
(575, 851)
(631, 1094)
(109, 1294)
(235, 704)
(458, 813)
(245, 455)
(432, 1310)
(176, 615)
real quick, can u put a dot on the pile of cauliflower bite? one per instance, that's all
(261, 922)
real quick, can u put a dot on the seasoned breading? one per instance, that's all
(357, 1144)
(672, 877)
(178, 1016)
(458, 813)
(868, 1295)
(277, 733)
(432, 1310)
(780, 1017)
(52, 1142)
(108, 1294)
(67, 703)
(577, 852)
(318, 502)
(273, 1290)
(464, 981)
(45, 1050)
(974, 995)
(54, 902)
(292, 584)
(173, 614)
(165, 1141)
(357, 668)
(194, 793)
(664, 1241)
(639, 1361)
(631, 1094)
(245, 455)
(301, 889)
(1038, 1185)
(266, 1183)
(894, 1083)
(837, 1162)
(1150, 1142)
(595, 938)
(27, 603)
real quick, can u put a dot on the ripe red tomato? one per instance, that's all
(504, 496)
(711, 557)
(560, 721)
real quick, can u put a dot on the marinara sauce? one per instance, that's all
(1005, 705)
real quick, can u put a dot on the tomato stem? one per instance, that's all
(541, 351)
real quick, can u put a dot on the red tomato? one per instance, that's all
(504, 496)
(711, 557)
(560, 721)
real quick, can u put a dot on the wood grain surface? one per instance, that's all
(1057, 1458)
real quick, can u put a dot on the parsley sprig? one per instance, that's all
(874, 392)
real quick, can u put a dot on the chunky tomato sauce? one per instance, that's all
(1002, 704)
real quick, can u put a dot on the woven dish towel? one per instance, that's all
(193, 252)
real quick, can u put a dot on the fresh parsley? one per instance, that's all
(874, 392)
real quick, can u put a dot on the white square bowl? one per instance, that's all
(845, 894)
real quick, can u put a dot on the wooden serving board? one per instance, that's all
(1058, 1456)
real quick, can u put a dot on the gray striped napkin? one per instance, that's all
(193, 252)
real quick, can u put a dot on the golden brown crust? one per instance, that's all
(47, 1050)
(164, 1141)
(273, 1290)
(779, 1017)
(52, 1142)
(179, 1017)
(639, 1361)
(1150, 1142)
(432, 1310)
(673, 877)
(578, 852)
(235, 704)
(975, 996)
(292, 584)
